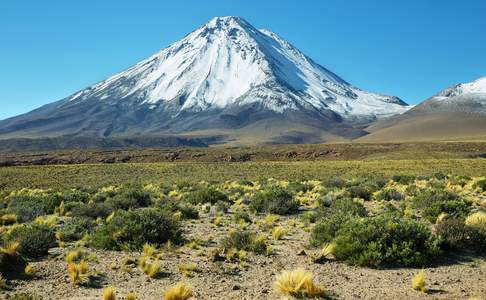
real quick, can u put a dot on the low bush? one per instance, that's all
(389, 194)
(206, 195)
(385, 240)
(130, 230)
(91, 210)
(335, 183)
(275, 200)
(241, 216)
(481, 184)
(347, 206)
(74, 229)
(326, 230)
(34, 239)
(129, 197)
(27, 208)
(244, 240)
(453, 234)
(454, 208)
(358, 191)
(425, 198)
(403, 179)
(188, 211)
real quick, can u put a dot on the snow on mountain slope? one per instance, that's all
(475, 87)
(227, 62)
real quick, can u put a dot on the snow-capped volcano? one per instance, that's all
(229, 62)
(224, 75)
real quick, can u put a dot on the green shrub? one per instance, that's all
(347, 206)
(34, 240)
(130, 230)
(297, 186)
(309, 217)
(27, 208)
(129, 197)
(326, 230)
(188, 211)
(427, 197)
(275, 200)
(358, 191)
(206, 195)
(481, 184)
(90, 210)
(385, 240)
(389, 194)
(335, 183)
(403, 179)
(244, 240)
(457, 209)
(453, 234)
(222, 206)
(75, 228)
(242, 215)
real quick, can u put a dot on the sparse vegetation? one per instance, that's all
(378, 222)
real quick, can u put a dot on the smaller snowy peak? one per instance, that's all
(475, 87)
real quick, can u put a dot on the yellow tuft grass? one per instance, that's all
(83, 267)
(73, 256)
(278, 233)
(150, 269)
(149, 250)
(74, 274)
(109, 293)
(11, 248)
(418, 282)
(298, 283)
(477, 220)
(30, 270)
(131, 296)
(180, 291)
(187, 269)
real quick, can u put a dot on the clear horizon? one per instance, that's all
(410, 49)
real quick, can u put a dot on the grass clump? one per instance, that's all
(109, 293)
(477, 220)
(77, 273)
(298, 283)
(180, 291)
(418, 282)
(34, 240)
(275, 200)
(278, 233)
(130, 230)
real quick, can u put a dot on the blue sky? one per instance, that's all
(408, 48)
